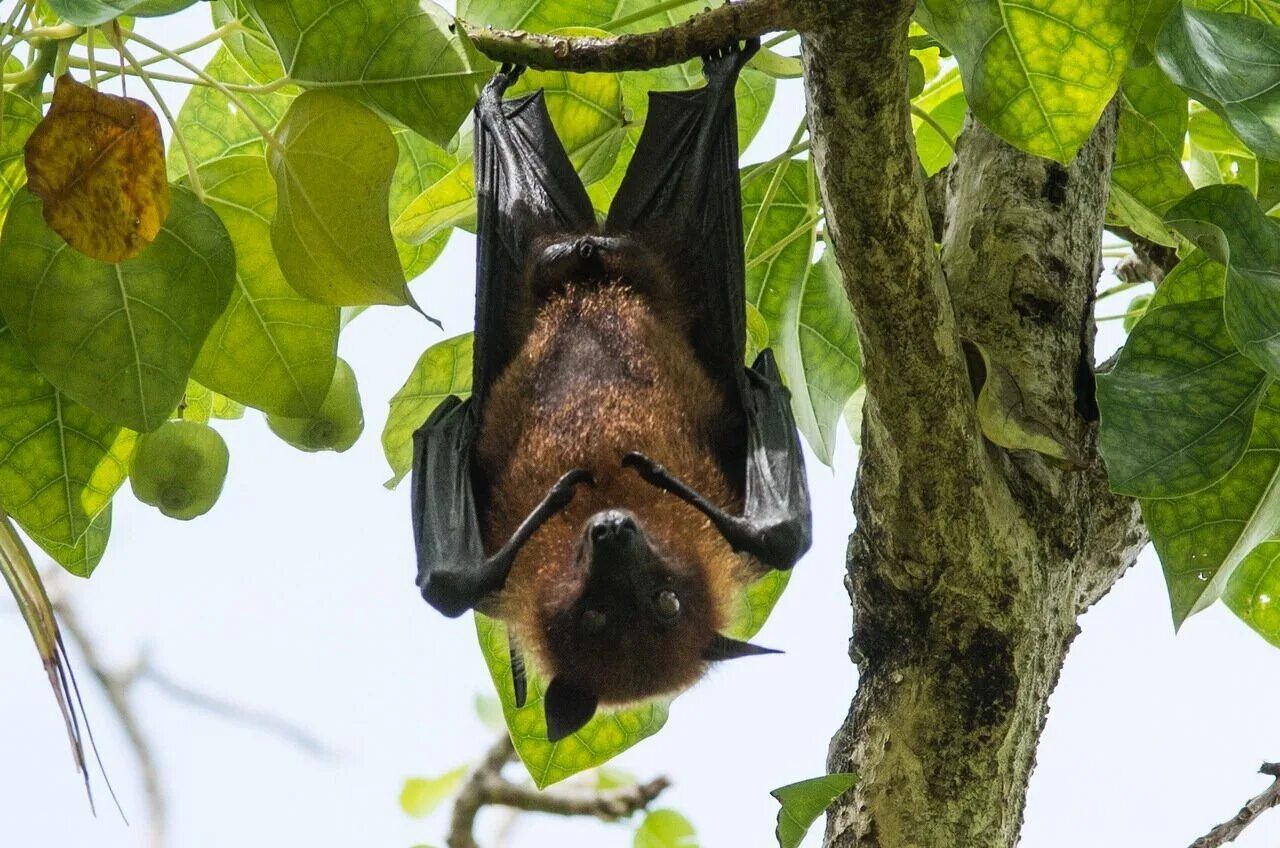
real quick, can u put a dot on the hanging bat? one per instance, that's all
(617, 477)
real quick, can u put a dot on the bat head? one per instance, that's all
(640, 621)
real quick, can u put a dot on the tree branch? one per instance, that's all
(704, 33)
(486, 786)
(1149, 260)
(1228, 831)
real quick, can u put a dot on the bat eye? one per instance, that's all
(667, 603)
(592, 621)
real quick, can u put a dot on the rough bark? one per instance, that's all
(970, 564)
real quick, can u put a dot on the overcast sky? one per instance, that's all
(295, 595)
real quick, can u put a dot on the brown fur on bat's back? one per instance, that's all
(601, 374)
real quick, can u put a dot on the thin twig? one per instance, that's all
(486, 786)
(1229, 830)
(704, 33)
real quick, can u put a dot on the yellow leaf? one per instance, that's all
(97, 162)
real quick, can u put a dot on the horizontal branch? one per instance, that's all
(702, 34)
(486, 786)
(1228, 831)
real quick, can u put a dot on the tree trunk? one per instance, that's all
(970, 564)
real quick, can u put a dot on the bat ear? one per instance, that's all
(724, 648)
(568, 707)
(519, 684)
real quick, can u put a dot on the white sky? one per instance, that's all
(295, 595)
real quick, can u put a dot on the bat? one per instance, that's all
(617, 476)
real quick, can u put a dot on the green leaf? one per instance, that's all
(119, 338)
(1263, 10)
(271, 349)
(934, 150)
(585, 109)
(1253, 592)
(420, 164)
(776, 65)
(90, 12)
(214, 127)
(608, 734)
(1008, 421)
(538, 15)
(803, 802)
(1195, 278)
(397, 56)
(803, 302)
(332, 229)
(1227, 224)
(60, 464)
(421, 795)
(443, 370)
(665, 829)
(1038, 73)
(1211, 133)
(18, 118)
(248, 43)
(489, 711)
(1177, 408)
(1146, 175)
(159, 8)
(1202, 537)
(1230, 63)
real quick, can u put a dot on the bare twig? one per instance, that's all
(1229, 830)
(486, 786)
(704, 33)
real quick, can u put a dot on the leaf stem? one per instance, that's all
(779, 38)
(190, 159)
(934, 125)
(262, 129)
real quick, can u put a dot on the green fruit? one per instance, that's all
(179, 468)
(1137, 308)
(337, 424)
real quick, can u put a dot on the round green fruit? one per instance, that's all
(337, 424)
(179, 468)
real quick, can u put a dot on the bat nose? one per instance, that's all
(585, 248)
(611, 526)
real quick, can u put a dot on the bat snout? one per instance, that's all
(612, 526)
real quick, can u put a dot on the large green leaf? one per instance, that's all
(538, 15)
(1038, 72)
(119, 338)
(1230, 63)
(1146, 175)
(803, 302)
(443, 369)
(394, 55)
(82, 558)
(1202, 537)
(214, 127)
(18, 118)
(1266, 10)
(802, 803)
(247, 42)
(90, 12)
(59, 463)
(272, 349)
(587, 112)
(1227, 223)
(420, 164)
(332, 229)
(1177, 408)
(933, 147)
(1195, 278)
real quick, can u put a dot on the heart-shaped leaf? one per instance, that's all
(97, 162)
(1177, 408)
(91, 12)
(1037, 72)
(1230, 63)
(272, 349)
(332, 231)
(1195, 278)
(1227, 224)
(398, 56)
(443, 369)
(59, 463)
(250, 46)
(119, 338)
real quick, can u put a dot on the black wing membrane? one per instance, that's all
(682, 193)
(526, 187)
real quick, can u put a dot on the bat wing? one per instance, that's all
(682, 196)
(526, 188)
